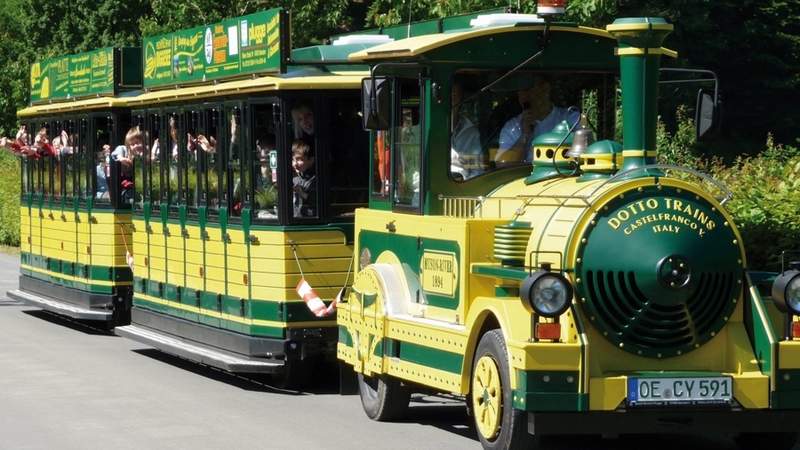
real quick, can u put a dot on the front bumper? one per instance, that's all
(684, 420)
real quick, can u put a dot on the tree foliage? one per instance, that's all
(753, 45)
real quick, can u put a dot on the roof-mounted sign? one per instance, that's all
(256, 43)
(99, 72)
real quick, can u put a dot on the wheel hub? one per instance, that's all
(487, 397)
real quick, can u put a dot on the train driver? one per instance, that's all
(539, 115)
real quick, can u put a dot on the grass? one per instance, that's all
(9, 199)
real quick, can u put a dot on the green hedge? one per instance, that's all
(766, 190)
(9, 199)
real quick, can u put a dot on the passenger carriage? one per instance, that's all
(74, 226)
(219, 241)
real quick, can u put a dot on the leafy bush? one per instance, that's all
(9, 199)
(766, 190)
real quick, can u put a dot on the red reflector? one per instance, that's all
(796, 329)
(548, 331)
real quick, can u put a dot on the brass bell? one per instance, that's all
(582, 138)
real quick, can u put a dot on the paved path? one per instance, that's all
(64, 385)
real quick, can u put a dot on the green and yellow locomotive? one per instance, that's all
(597, 293)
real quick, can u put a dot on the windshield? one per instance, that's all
(494, 128)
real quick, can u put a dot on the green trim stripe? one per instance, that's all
(261, 309)
(539, 390)
(431, 357)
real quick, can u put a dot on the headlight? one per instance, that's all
(786, 291)
(548, 293)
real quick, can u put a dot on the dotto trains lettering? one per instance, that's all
(683, 216)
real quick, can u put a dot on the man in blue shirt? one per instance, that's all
(538, 116)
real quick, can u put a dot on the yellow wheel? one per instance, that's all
(487, 397)
(499, 425)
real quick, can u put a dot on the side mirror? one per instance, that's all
(376, 103)
(705, 114)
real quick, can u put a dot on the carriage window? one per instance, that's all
(139, 174)
(234, 162)
(102, 146)
(172, 158)
(265, 164)
(69, 158)
(406, 135)
(23, 175)
(153, 155)
(381, 164)
(348, 178)
(207, 160)
(302, 160)
(55, 132)
(194, 137)
(85, 159)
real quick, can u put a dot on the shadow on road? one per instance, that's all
(450, 414)
(440, 412)
(86, 327)
(251, 382)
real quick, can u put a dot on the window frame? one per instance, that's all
(603, 83)
(282, 161)
(422, 84)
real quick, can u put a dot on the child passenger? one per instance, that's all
(304, 180)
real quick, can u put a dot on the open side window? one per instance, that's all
(101, 145)
(236, 194)
(346, 182)
(302, 147)
(265, 172)
(407, 132)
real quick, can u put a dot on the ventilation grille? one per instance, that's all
(625, 315)
(511, 243)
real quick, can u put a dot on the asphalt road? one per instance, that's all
(66, 385)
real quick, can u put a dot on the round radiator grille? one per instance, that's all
(659, 271)
(627, 316)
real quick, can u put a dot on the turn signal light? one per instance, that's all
(795, 329)
(550, 331)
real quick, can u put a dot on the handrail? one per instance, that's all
(465, 206)
(703, 176)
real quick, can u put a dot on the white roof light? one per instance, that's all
(370, 39)
(494, 20)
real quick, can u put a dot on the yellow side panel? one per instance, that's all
(606, 394)
(174, 241)
(195, 283)
(789, 354)
(158, 275)
(194, 257)
(238, 290)
(157, 263)
(194, 270)
(266, 267)
(213, 260)
(215, 274)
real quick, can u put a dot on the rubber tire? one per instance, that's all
(513, 424)
(383, 398)
(771, 441)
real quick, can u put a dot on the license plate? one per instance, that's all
(679, 391)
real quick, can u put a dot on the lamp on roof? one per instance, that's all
(550, 7)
